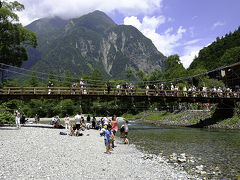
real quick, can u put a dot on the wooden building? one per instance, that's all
(230, 76)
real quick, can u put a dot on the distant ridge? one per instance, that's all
(91, 41)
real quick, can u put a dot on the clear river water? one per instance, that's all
(216, 150)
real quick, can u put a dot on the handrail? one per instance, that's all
(115, 91)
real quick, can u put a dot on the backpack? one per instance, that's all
(63, 133)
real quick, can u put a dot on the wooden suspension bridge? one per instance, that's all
(94, 93)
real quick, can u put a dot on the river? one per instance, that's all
(217, 150)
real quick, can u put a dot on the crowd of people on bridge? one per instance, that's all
(192, 91)
(157, 90)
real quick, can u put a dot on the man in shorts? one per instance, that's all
(77, 119)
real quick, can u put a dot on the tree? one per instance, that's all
(68, 81)
(32, 81)
(6, 116)
(174, 68)
(231, 56)
(14, 38)
(156, 75)
(140, 74)
(129, 73)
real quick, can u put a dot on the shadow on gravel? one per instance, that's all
(222, 112)
(13, 127)
(8, 128)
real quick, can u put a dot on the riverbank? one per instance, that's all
(186, 118)
(41, 153)
(32, 120)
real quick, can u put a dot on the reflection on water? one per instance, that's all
(211, 147)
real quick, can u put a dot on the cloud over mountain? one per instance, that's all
(36, 9)
(165, 42)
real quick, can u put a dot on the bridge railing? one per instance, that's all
(114, 91)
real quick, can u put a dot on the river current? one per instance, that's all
(214, 149)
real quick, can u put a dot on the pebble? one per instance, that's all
(41, 153)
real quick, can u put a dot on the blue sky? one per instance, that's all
(180, 27)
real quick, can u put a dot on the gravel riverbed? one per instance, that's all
(42, 153)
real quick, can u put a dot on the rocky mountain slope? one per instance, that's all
(88, 42)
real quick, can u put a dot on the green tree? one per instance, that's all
(231, 56)
(95, 78)
(156, 75)
(68, 81)
(174, 68)
(6, 116)
(211, 57)
(32, 81)
(52, 78)
(67, 107)
(129, 73)
(210, 83)
(14, 38)
(141, 75)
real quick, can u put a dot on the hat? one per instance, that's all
(109, 126)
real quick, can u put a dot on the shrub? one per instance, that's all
(6, 117)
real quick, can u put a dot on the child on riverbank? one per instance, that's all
(126, 132)
(108, 135)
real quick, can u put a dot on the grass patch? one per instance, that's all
(176, 117)
(131, 116)
(234, 120)
(156, 116)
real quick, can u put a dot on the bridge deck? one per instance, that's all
(101, 93)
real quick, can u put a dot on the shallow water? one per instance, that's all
(211, 148)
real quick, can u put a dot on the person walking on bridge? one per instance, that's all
(147, 90)
(50, 84)
(108, 87)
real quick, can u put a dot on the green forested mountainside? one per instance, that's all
(96, 21)
(224, 51)
(91, 41)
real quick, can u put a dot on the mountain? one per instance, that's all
(88, 42)
(222, 52)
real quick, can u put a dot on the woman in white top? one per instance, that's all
(67, 122)
(17, 119)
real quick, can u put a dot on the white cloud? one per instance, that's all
(165, 42)
(190, 52)
(36, 9)
(194, 41)
(217, 24)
